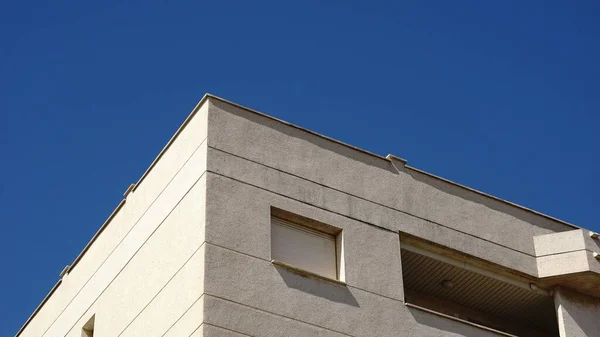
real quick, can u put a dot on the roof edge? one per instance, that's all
(391, 157)
(296, 127)
(170, 142)
(100, 230)
(510, 203)
(70, 267)
(39, 307)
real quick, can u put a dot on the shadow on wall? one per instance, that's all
(321, 288)
(447, 325)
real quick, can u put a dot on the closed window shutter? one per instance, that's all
(303, 247)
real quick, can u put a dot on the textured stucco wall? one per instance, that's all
(294, 163)
(255, 162)
(247, 294)
(254, 165)
(578, 315)
(297, 152)
(568, 252)
(145, 270)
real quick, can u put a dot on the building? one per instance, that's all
(246, 225)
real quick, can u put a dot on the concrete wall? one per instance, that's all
(245, 293)
(255, 164)
(566, 253)
(578, 315)
(143, 275)
(288, 161)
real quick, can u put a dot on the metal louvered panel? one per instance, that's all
(303, 247)
(425, 275)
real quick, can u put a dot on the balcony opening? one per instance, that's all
(446, 284)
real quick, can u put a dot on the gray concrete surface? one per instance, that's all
(578, 315)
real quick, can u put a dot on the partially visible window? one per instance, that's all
(88, 328)
(315, 249)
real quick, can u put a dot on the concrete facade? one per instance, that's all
(188, 251)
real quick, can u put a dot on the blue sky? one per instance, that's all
(499, 96)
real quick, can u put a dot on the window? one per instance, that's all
(306, 246)
(88, 328)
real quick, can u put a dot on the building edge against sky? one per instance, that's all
(188, 252)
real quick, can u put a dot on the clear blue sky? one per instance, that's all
(501, 96)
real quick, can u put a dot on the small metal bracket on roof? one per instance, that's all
(396, 161)
(597, 256)
(65, 270)
(129, 189)
(594, 235)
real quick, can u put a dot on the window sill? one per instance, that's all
(483, 327)
(306, 272)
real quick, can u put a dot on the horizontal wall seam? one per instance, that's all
(37, 309)
(93, 239)
(162, 288)
(118, 244)
(134, 254)
(121, 204)
(237, 251)
(199, 327)
(566, 252)
(275, 314)
(220, 327)
(187, 120)
(126, 234)
(388, 160)
(362, 221)
(302, 202)
(269, 262)
(358, 197)
(185, 312)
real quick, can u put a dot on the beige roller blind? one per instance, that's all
(303, 247)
